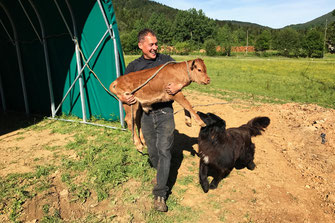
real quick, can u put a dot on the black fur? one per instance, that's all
(221, 149)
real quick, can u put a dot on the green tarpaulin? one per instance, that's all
(61, 19)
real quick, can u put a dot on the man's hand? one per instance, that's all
(173, 88)
(128, 98)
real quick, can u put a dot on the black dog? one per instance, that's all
(221, 149)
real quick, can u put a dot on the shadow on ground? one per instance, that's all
(182, 143)
(10, 121)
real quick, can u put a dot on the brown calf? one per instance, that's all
(154, 91)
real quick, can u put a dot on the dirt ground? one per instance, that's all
(293, 180)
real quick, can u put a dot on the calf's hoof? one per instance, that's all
(188, 122)
(140, 148)
(202, 124)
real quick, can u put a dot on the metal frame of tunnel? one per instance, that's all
(15, 42)
(80, 67)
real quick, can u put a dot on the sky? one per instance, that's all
(272, 13)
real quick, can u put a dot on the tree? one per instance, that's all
(192, 25)
(239, 37)
(314, 43)
(263, 41)
(129, 39)
(330, 39)
(161, 26)
(287, 42)
(129, 42)
(225, 39)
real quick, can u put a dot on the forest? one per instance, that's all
(186, 31)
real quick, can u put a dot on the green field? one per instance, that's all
(105, 160)
(272, 79)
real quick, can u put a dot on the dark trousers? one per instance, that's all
(158, 127)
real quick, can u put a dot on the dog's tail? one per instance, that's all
(257, 125)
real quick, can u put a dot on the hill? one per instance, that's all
(320, 21)
(128, 12)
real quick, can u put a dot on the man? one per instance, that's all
(157, 125)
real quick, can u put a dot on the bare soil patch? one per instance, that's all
(293, 180)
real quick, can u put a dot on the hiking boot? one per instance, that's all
(159, 204)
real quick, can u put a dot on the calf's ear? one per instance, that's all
(193, 65)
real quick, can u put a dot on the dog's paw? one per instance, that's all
(204, 185)
(205, 189)
(251, 166)
(213, 185)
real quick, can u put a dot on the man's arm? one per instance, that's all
(128, 98)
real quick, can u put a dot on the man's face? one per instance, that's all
(149, 46)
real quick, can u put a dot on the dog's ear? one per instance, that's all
(214, 117)
(217, 120)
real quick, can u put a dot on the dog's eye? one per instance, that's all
(199, 70)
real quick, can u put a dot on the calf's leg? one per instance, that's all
(188, 120)
(135, 120)
(180, 98)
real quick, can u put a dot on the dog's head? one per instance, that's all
(211, 119)
(215, 128)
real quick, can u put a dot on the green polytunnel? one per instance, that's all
(56, 57)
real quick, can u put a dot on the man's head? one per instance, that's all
(147, 42)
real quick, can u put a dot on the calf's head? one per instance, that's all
(199, 72)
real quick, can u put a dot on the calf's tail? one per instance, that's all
(257, 125)
(112, 87)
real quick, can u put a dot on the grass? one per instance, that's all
(271, 79)
(105, 160)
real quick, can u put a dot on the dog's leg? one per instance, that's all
(180, 98)
(250, 157)
(218, 177)
(203, 170)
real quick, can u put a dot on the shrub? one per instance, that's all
(210, 47)
(183, 48)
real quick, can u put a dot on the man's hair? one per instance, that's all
(143, 33)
